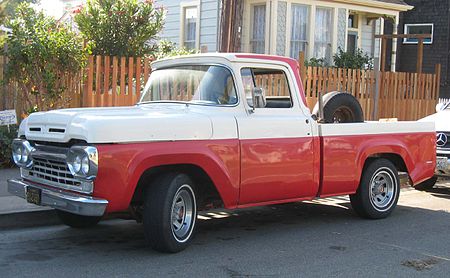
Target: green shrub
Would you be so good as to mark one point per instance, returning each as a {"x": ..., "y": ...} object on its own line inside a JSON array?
[
  {"x": 347, "y": 60},
  {"x": 120, "y": 27},
  {"x": 42, "y": 54},
  {"x": 168, "y": 49},
  {"x": 6, "y": 137},
  {"x": 316, "y": 62}
]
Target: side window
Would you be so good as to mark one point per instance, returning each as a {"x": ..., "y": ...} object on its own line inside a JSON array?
[{"x": 274, "y": 85}]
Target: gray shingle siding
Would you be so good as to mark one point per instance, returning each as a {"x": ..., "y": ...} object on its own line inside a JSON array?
[
  {"x": 208, "y": 22},
  {"x": 436, "y": 12}
]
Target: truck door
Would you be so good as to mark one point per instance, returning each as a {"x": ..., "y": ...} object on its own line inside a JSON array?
[{"x": 276, "y": 142}]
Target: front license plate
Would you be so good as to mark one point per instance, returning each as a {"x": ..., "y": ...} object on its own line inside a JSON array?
[
  {"x": 441, "y": 163},
  {"x": 33, "y": 195}
]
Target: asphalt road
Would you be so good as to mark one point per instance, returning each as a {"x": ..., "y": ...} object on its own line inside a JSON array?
[{"x": 314, "y": 239}]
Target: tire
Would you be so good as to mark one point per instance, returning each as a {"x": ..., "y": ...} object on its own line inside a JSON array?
[
  {"x": 378, "y": 191},
  {"x": 170, "y": 212},
  {"x": 426, "y": 185},
  {"x": 340, "y": 107},
  {"x": 77, "y": 221}
]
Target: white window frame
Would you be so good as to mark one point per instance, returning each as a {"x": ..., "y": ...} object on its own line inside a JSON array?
[
  {"x": 405, "y": 31},
  {"x": 183, "y": 7}
]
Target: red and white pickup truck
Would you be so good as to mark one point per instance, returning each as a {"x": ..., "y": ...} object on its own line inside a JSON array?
[{"x": 204, "y": 134}]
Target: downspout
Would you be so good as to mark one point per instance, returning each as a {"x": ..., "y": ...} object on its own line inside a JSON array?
[{"x": 448, "y": 49}]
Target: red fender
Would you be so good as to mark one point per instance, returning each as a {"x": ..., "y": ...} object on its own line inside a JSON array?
[{"x": 122, "y": 165}]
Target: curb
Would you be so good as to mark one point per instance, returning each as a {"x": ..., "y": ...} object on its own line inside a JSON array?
[{"x": 26, "y": 219}]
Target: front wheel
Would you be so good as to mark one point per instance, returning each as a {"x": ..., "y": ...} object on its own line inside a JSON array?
[
  {"x": 378, "y": 191},
  {"x": 170, "y": 212}
]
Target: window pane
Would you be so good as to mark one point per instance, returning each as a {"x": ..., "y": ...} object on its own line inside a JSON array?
[
  {"x": 419, "y": 29},
  {"x": 299, "y": 27},
  {"x": 259, "y": 29},
  {"x": 190, "y": 27},
  {"x": 323, "y": 34},
  {"x": 211, "y": 85},
  {"x": 274, "y": 84},
  {"x": 351, "y": 42}
]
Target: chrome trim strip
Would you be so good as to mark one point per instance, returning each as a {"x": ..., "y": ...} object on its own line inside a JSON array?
[{"x": 70, "y": 202}]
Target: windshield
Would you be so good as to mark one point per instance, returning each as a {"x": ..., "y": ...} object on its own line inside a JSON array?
[{"x": 212, "y": 85}]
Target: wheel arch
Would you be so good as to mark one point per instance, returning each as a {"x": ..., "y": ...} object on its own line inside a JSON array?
[{"x": 204, "y": 185}]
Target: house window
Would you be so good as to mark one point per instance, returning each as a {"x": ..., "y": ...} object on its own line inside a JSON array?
[
  {"x": 323, "y": 34},
  {"x": 426, "y": 28},
  {"x": 352, "y": 21},
  {"x": 352, "y": 42},
  {"x": 299, "y": 30},
  {"x": 190, "y": 27},
  {"x": 258, "y": 34}
]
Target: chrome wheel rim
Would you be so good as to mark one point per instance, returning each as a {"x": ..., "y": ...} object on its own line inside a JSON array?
[
  {"x": 183, "y": 213},
  {"x": 382, "y": 191}
]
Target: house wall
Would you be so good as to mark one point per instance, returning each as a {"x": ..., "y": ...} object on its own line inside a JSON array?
[
  {"x": 209, "y": 20},
  {"x": 436, "y": 12},
  {"x": 278, "y": 25}
]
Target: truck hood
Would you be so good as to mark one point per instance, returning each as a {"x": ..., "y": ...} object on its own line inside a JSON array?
[
  {"x": 441, "y": 120},
  {"x": 156, "y": 122}
]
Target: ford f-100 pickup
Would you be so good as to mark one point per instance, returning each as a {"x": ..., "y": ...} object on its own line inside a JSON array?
[{"x": 212, "y": 130}]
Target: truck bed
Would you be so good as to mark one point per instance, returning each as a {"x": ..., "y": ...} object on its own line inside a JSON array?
[{"x": 345, "y": 147}]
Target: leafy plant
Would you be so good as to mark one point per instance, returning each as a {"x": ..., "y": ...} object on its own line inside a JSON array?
[
  {"x": 42, "y": 56},
  {"x": 168, "y": 49},
  {"x": 316, "y": 62},
  {"x": 7, "y": 134},
  {"x": 120, "y": 27},
  {"x": 347, "y": 60}
]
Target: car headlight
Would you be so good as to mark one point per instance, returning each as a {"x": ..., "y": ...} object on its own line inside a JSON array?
[
  {"x": 21, "y": 153},
  {"x": 83, "y": 162}
]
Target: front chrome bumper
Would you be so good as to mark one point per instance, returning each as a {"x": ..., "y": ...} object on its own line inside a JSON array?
[{"x": 58, "y": 199}]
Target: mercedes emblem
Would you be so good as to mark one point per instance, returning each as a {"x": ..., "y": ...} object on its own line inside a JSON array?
[{"x": 441, "y": 139}]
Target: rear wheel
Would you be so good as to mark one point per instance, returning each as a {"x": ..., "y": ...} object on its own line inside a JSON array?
[
  {"x": 77, "y": 221},
  {"x": 170, "y": 212},
  {"x": 378, "y": 191}
]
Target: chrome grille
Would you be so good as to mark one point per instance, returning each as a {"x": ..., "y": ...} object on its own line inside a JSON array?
[{"x": 53, "y": 171}]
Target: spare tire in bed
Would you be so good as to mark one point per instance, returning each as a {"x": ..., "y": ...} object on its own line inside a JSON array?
[{"x": 340, "y": 107}]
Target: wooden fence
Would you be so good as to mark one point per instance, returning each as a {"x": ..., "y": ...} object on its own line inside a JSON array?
[
  {"x": 114, "y": 81},
  {"x": 118, "y": 81}
]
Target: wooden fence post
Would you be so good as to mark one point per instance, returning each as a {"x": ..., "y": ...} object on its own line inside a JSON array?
[
  {"x": 301, "y": 63},
  {"x": 376, "y": 95}
]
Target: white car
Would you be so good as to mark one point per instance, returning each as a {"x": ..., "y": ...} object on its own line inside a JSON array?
[{"x": 441, "y": 119}]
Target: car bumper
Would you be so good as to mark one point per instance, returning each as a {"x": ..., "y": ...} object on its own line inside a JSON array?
[
  {"x": 70, "y": 202},
  {"x": 442, "y": 166}
]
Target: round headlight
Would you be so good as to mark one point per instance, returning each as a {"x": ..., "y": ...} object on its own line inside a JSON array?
[
  {"x": 21, "y": 153},
  {"x": 17, "y": 154},
  {"x": 85, "y": 165},
  {"x": 76, "y": 164},
  {"x": 25, "y": 155},
  {"x": 83, "y": 162}
]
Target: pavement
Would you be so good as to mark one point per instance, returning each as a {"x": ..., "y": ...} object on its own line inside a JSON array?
[
  {"x": 16, "y": 212},
  {"x": 320, "y": 238}
]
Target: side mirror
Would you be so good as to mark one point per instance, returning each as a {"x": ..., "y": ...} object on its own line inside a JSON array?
[
  {"x": 440, "y": 106},
  {"x": 258, "y": 98}
]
